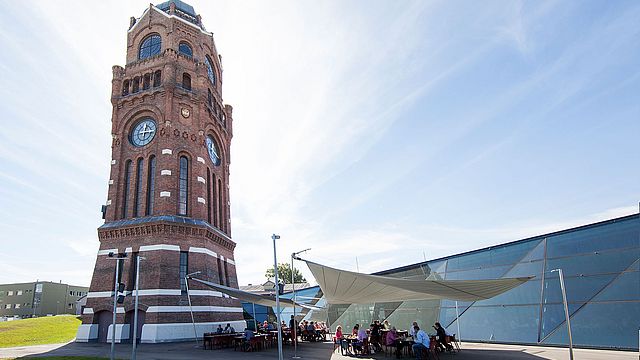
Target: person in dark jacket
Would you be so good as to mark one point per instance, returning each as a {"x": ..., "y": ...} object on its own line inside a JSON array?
[{"x": 442, "y": 338}]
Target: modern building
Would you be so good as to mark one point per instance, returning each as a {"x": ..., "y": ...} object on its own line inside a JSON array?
[
  {"x": 269, "y": 287},
  {"x": 307, "y": 295},
  {"x": 600, "y": 262},
  {"x": 168, "y": 194},
  {"x": 39, "y": 298}
]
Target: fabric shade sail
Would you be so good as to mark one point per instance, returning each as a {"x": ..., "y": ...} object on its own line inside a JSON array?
[
  {"x": 347, "y": 287},
  {"x": 266, "y": 300}
]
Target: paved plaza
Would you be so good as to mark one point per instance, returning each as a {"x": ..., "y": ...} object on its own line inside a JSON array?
[{"x": 309, "y": 351}]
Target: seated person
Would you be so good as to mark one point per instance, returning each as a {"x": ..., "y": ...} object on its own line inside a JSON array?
[
  {"x": 229, "y": 329},
  {"x": 339, "y": 334},
  {"x": 421, "y": 343},
  {"x": 363, "y": 340},
  {"x": 311, "y": 331},
  {"x": 270, "y": 327},
  {"x": 412, "y": 331},
  {"x": 442, "y": 338},
  {"x": 248, "y": 335},
  {"x": 265, "y": 325},
  {"x": 386, "y": 325},
  {"x": 393, "y": 340},
  {"x": 219, "y": 330},
  {"x": 376, "y": 334}
]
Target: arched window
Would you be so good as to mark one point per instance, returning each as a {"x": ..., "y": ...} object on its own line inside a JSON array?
[
  {"x": 139, "y": 196},
  {"x": 125, "y": 87},
  {"x": 183, "y": 186},
  {"x": 186, "y": 81},
  {"x": 185, "y": 49},
  {"x": 209, "y": 97},
  {"x": 151, "y": 179},
  {"x": 221, "y": 225},
  {"x": 209, "y": 195},
  {"x": 151, "y": 45},
  {"x": 213, "y": 200},
  {"x": 157, "y": 78},
  {"x": 125, "y": 195},
  {"x": 210, "y": 73},
  {"x": 136, "y": 85},
  {"x": 220, "y": 275},
  {"x": 146, "y": 82}
]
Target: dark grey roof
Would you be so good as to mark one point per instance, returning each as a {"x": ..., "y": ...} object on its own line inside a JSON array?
[{"x": 185, "y": 8}]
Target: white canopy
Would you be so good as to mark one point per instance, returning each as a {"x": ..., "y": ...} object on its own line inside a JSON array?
[
  {"x": 266, "y": 300},
  {"x": 347, "y": 287}
]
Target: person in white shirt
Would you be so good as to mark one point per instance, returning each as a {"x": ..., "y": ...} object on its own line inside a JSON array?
[
  {"x": 412, "y": 331},
  {"x": 421, "y": 343},
  {"x": 229, "y": 329}
]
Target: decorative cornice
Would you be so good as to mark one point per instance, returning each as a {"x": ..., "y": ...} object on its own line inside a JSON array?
[{"x": 163, "y": 227}]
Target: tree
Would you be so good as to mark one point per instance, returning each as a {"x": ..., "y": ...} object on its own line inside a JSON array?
[{"x": 284, "y": 274}]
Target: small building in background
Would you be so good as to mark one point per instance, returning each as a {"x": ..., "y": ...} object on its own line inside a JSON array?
[{"x": 41, "y": 298}]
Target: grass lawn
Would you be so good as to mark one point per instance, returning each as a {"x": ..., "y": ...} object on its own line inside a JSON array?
[
  {"x": 68, "y": 358},
  {"x": 37, "y": 331}
]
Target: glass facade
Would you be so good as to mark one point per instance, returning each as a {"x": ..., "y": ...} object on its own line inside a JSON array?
[
  {"x": 601, "y": 268},
  {"x": 309, "y": 296}
]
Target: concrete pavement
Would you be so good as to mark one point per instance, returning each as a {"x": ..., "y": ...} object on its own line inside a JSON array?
[{"x": 308, "y": 351}]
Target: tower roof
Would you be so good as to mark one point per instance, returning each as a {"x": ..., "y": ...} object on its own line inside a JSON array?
[{"x": 184, "y": 7}]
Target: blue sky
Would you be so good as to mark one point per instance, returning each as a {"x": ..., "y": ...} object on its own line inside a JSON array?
[{"x": 383, "y": 130}]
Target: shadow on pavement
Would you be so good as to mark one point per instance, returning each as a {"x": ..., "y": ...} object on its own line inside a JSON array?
[{"x": 185, "y": 350}]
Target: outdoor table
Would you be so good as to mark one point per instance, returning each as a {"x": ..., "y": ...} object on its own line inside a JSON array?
[{"x": 217, "y": 340}]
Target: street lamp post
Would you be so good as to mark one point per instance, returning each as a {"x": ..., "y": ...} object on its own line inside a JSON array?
[
  {"x": 135, "y": 309},
  {"x": 117, "y": 258},
  {"x": 275, "y": 270},
  {"x": 294, "y": 331},
  {"x": 566, "y": 310}
]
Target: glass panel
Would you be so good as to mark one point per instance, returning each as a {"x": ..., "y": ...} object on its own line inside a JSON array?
[
  {"x": 499, "y": 323},
  {"x": 579, "y": 289},
  {"x": 525, "y": 269},
  {"x": 425, "y": 312},
  {"x": 502, "y": 255},
  {"x": 437, "y": 270},
  {"x": 625, "y": 287},
  {"x": 553, "y": 315},
  {"x": 356, "y": 314},
  {"x": 479, "y": 274},
  {"x": 527, "y": 293},
  {"x": 603, "y": 325},
  {"x": 597, "y": 263},
  {"x": 617, "y": 235},
  {"x": 536, "y": 254}
]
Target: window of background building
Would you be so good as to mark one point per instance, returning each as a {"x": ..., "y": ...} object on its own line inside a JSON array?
[
  {"x": 7, "y": 306},
  {"x": 10, "y": 293},
  {"x": 19, "y": 292},
  {"x": 17, "y": 306}
]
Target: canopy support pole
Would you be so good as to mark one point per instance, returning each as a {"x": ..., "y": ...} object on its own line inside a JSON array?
[
  {"x": 255, "y": 324},
  {"x": 458, "y": 323}
]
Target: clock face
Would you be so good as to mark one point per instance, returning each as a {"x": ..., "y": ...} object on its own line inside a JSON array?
[
  {"x": 212, "y": 148},
  {"x": 185, "y": 112},
  {"x": 143, "y": 132}
]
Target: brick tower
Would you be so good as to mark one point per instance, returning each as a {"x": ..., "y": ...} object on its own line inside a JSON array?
[{"x": 168, "y": 197}]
